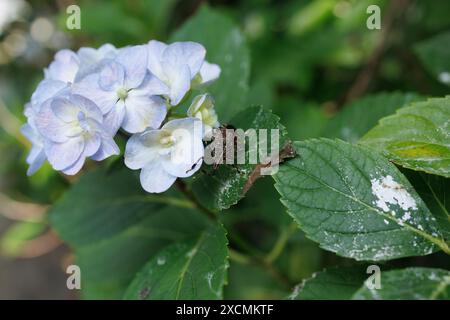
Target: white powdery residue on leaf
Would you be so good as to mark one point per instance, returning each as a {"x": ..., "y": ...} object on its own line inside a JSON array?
[
  {"x": 161, "y": 261},
  {"x": 389, "y": 192},
  {"x": 444, "y": 77}
]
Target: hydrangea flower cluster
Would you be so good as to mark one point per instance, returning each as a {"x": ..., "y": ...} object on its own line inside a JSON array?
[{"x": 87, "y": 96}]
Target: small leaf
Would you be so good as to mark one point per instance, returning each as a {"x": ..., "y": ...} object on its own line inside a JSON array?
[
  {"x": 223, "y": 187},
  {"x": 416, "y": 137},
  {"x": 409, "y": 284},
  {"x": 339, "y": 283},
  {"x": 435, "y": 56},
  {"x": 192, "y": 270},
  {"x": 356, "y": 203},
  {"x": 226, "y": 47},
  {"x": 363, "y": 114}
]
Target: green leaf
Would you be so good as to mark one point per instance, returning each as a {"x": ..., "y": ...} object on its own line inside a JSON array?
[
  {"x": 434, "y": 191},
  {"x": 226, "y": 47},
  {"x": 356, "y": 203},
  {"x": 409, "y": 284},
  {"x": 360, "y": 116},
  {"x": 191, "y": 270},
  {"x": 416, "y": 137},
  {"x": 114, "y": 227},
  {"x": 223, "y": 187},
  {"x": 435, "y": 56},
  {"x": 338, "y": 283}
]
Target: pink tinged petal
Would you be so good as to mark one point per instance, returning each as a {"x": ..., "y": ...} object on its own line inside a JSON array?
[
  {"x": 89, "y": 88},
  {"x": 142, "y": 148},
  {"x": 111, "y": 76},
  {"x": 190, "y": 53},
  {"x": 209, "y": 72},
  {"x": 114, "y": 119},
  {"x": 143, "y": 112},
  {"x": 134, "y": 60},
  {"x": 155, "y": 179},
  {"x": 64, "y": 67},
  {"x": 107, "y": 148},
  {"x": 49, "y": 125},
  {"x": 155, "y": 52},
  {"x": 76, "y": 167},
  {"x": 45, "y": 90},
  {"x": 179, "y": 81},
  {"x": 63, "y": 155}
]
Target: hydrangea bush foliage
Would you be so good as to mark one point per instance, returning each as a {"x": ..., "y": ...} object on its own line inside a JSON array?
[{"x": 157, "y": 226}]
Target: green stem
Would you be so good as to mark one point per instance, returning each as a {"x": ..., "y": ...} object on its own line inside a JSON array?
[
  {"x": 281, "y": 242},
  {"x": 188, "y": 193},
  {"x": 241, "y": 258}
]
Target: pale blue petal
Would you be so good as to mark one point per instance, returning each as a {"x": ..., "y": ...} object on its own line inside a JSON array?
[
  {"x": 92, "y": 60},
  {"x": 113, "y": 120},
  {"x": 209, "y": 72},
  {"x": 143, "y": 112},
  {"x": 65, "y": 110},
  {"x": 187, "y": 154},
  {"x": 92, "y": 144},
  {"x": 134, "y": 60},
  {"x": 141, "y": 149},
  {"x": 155, "y": 179},
  {"x": 152, "y": 86},
  {"x": 185, "y": 159},
  {"x": 155, "y": 53},
  {"x": 185, "y": 53},
  {"x": 88, "y": 107},
  {"x": 50, "y": 126},
  {"x": 63, "y": 155},
  {"x": 45, "y": 90},
  {"x": 179, "y": 81},
  {"x": 111, "y": 76},
  {"x": 89, "y": 88},
  {"x": 64, "y": 67},
  {"x": 107, "y": 148},
  {"x": 76, "y": 167},
  {"x": 37, "y": 161}
]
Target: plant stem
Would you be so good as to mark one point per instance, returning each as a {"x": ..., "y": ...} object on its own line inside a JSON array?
[
  {"x": 247, "y": 260},
  {"x": 188, "y": 193},
  {"x": 280, "y": 243}
]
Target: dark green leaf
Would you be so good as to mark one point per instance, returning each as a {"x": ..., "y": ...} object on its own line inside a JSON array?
[
  {"x": 356, "y": 203},
  {"x": 339, "y": 283},
  {"x": 363, "y": 114},
  {"x": 114, "y": 227},
  {"x": 191, "y": 270},
  {"x": 416, "y": 137},
  {"x": 409, "y": 284},
  {"x": 435, "y": 55}
]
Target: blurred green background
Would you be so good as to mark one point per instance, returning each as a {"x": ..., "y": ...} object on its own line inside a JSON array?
[{"x": 306, "y": 57}]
